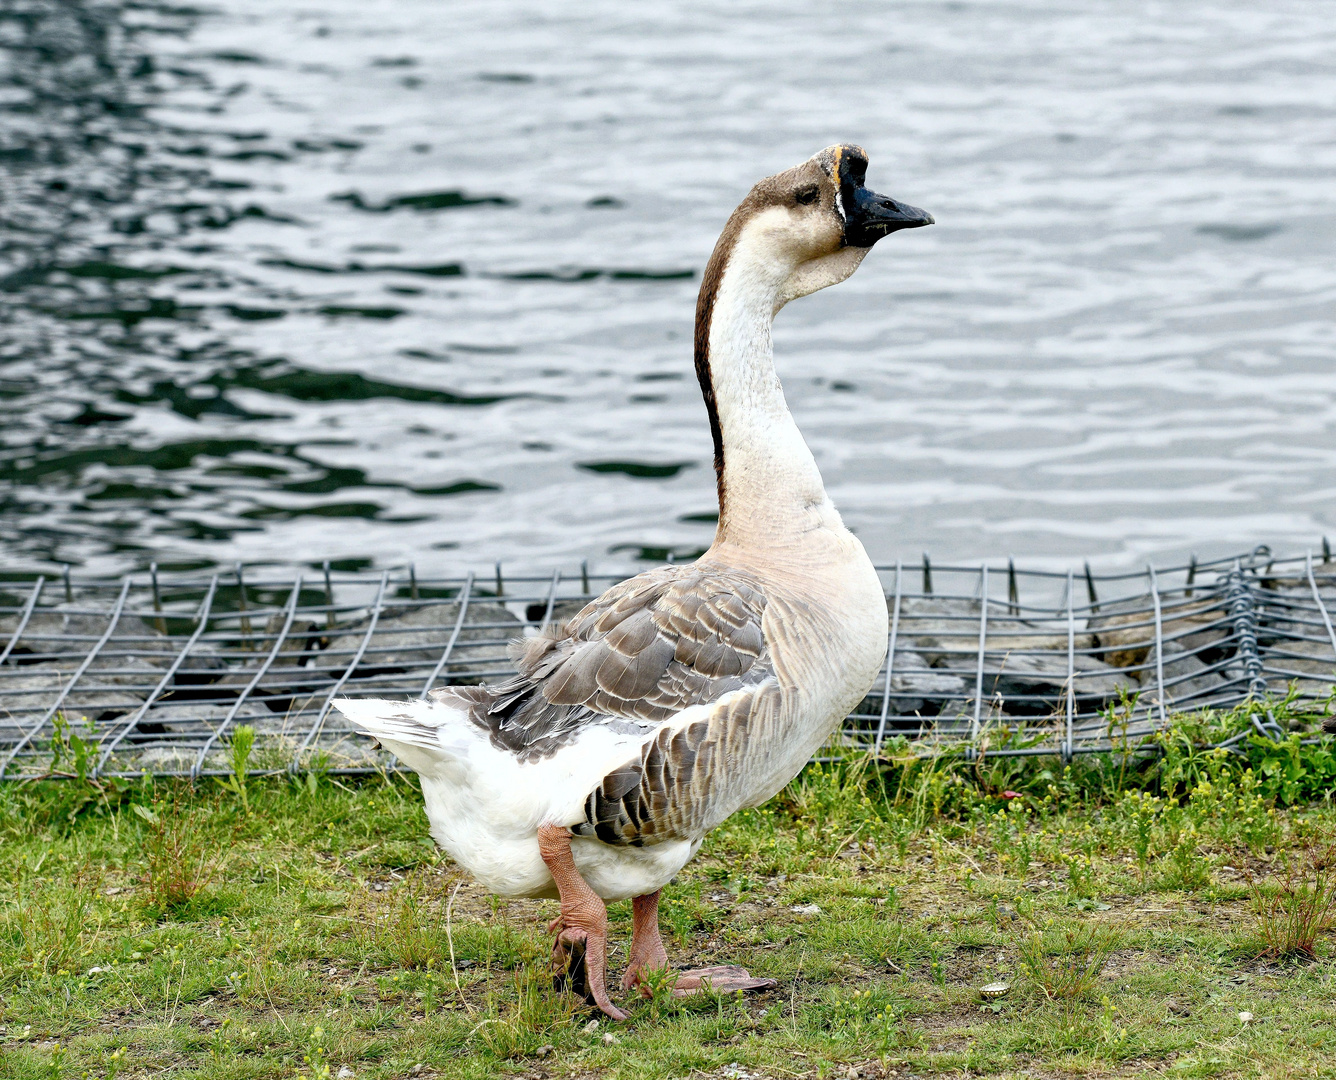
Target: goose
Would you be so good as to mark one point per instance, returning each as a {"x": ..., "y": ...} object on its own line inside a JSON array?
[{"x": 690, "y": 691}]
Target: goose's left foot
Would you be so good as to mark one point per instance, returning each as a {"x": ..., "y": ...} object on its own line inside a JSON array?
[
  {"x": 648, "y": 954},
  {"x": 723, "y": 979},
  {"x": 580, "y": 952}
]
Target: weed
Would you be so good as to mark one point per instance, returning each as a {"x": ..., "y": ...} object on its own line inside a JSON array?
[
  {"x": 56, "y": 1066},
  {"x": 415, "y": 940},
  {"x": 113, "y": 1063},
  {"x": 66, "y": 743},
  {"x": 1232, "y": 802},
  {"x": 937, "y": 962},
  {"x": 48, "y": 930},
  {"x": 238, "y": 757},
  {"x": 1081, "y": 874},
  {"x": 1292, "y": 772},
  {"x": 1144, "y": 810},
  {"x": 1110, "y": 1033},
  {"x": 528, "y": 1015},
  {"x": 179, "y": 860},
  {"x": 846, "y": 1016},
  {"x": 1185, "y": 868},
  {"x": 1291, "y": 917},
  {"x": 658, "y": 983},
  {"x": 1065, "y": 962},
  {"x": 317, "y": 1068},
  {"x": 1013, "y": 835}
]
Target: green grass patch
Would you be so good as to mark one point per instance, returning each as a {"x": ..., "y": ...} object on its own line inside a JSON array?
[{"x": 1166, "y": 914}]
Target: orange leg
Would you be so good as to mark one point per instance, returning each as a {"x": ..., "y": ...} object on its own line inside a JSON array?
[
  {"x": 583, "y": 922},
  {"x": 648, "y": 953}
]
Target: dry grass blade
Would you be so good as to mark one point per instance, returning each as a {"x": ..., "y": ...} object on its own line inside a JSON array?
[{"x": 450, "y": 941}]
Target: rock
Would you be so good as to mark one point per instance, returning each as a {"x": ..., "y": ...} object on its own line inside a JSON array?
[
  {"x": 281, "y": 689},
  {"x": 415, "y": 638},
  {"x": 179, "y": 718},
  {"x": 1311, "y": 665},
  {"x": 168, "y": 738},
  {"x": 29, "y": 691},
  {"x": 956, "y": 720},
  {"x": 351, "y": 752},
  {"x": 916, "y": 688},
  {"x": 290, "y": 677},
  {"x": 1017, "y": 676},
  {"x": 1125, "y": 629},
  {"x": 166, "y": 759},
  {"x": 1015, "y": 685},
  {"x": 135, "y": 673},
  {"x": 945, "y": 631},
  {"x": 299, "y": 646},
  {"x": 1188, "y": 681},
  {"x": 125, "y": 670},
  {"x": 1287, "y": 609},
  {"x": 70, "y": 630},
  {"x": 1323, "y": 574}
]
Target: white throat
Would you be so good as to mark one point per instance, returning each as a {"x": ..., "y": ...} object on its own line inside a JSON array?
[{"x": 771, "y": 489}]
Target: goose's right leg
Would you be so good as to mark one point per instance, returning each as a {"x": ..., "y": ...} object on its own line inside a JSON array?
[
  {"x": 648, "y": 953},
  {"x": 583, "y": 922}
]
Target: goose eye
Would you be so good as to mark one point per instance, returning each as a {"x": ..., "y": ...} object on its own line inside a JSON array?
[{"x": 807, "y": 195}]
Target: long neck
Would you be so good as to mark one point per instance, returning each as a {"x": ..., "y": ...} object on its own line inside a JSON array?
[{"x": 769, "y": 486}]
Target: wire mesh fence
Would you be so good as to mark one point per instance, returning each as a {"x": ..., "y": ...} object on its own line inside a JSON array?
[{"x": 153, "y": 672}]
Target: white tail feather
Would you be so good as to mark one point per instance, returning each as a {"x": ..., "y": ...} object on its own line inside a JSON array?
[{"x": 408, "y": 723}]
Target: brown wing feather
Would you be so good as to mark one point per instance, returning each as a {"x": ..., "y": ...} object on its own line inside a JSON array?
[
  {"x": 673, "y": 791},
  {"x": 640, "y": 653}
]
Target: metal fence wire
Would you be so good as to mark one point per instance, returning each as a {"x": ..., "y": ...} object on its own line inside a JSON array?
[{"x": 151, "y": 673}]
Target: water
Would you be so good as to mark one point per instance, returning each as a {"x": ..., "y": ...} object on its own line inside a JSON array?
[{"x": 414, "y": 282}]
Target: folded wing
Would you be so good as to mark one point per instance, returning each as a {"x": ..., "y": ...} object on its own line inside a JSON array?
[{"x": 636, "y": 656}]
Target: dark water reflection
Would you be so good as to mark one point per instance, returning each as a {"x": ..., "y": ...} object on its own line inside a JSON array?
[{"x": 398, "y": 282}]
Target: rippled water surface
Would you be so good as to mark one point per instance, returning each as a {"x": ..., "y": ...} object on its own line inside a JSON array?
[{"x": 412, "y": 281}]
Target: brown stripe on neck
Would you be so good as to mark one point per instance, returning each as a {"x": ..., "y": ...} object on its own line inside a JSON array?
[
  {"x": 709, "y": 293},
  {"x": 777, "y": 190}
]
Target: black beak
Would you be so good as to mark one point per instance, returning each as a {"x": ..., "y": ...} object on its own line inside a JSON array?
[{"x": 869, "y": 216}]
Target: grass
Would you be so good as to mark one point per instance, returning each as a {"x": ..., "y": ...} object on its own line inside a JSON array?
[
  {"x": 1293, "y": 915},
  {"x": 1168, "y": 915},
  {"x": 1065, "y": 961}
]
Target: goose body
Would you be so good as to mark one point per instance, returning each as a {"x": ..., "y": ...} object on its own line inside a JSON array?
[
  {"x": 641, "y": 784},
  {"x": 687, "y": 692}
]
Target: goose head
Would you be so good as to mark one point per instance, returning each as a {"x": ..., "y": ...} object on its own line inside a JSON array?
[{"x": 809, "y": 227}]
